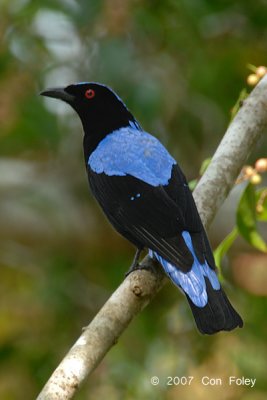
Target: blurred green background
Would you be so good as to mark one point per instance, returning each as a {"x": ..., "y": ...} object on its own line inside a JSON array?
[{"x": 179, "y": 66}]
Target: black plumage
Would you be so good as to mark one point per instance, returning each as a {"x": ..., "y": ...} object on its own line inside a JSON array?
[{"x": 145, "y": 196}]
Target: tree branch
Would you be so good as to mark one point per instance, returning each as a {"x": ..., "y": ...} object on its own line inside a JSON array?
[{"x": 139, "y": 287}]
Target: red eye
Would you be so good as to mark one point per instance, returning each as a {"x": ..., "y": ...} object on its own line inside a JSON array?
[{"x": 89, "y": 94}]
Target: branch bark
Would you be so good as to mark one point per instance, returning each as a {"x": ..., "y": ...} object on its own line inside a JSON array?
[{"x": 139, "y": 287}]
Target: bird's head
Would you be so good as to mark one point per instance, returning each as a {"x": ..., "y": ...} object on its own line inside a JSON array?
[{"x": 99, "y": 108}]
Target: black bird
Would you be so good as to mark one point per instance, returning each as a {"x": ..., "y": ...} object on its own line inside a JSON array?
[{"x": 145, "y": 196}]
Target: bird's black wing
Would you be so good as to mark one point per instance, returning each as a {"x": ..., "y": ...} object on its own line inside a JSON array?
[{"x": 153, "y": 217}]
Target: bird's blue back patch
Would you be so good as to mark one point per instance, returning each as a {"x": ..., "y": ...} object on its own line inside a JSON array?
[
  {"x": 134, "y": 152},
  {"x": 192, "y": 282}
]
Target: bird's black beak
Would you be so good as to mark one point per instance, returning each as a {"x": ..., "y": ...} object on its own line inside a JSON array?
[{"x": 58, "y": 93}]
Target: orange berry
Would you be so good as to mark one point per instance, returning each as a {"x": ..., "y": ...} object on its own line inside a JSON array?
[
  {"x": 249, "y": 171},
  {"x": 261, "y": 165},
  {"x": 252, "y": 79},
  {"x": 255, "y": 179},
  {"x": 261, "y": 71}
]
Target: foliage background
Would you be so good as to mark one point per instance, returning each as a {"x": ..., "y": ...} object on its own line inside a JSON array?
[{"x": 179, "y": 66}]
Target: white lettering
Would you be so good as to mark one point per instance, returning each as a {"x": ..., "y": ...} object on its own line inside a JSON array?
[
  {"x": 207, "y": 381},
  {"x": 243, "y": 381}
]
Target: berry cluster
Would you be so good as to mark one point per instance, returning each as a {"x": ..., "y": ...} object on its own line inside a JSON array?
[
  {"x": 253, "y": 173},
  {"x": 258, "y": 73}
]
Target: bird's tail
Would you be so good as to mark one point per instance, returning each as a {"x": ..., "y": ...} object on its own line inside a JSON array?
[
  {"x": 211, "y": 308},
  {"x": 217, "y": 315}
]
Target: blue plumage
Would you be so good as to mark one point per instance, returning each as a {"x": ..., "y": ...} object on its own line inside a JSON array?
[
  {"x": 192, "y": 282},
  {"x": 137, "y": 153},
  {"x": 134, "y": 152}
]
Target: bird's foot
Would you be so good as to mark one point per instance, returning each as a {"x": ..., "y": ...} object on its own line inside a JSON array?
[
  {"x": 135, "y": 264},
  {"x": 148, "y": 265}
]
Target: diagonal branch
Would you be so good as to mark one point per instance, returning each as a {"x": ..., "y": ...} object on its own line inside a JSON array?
[{"x": 139, "y": 287}]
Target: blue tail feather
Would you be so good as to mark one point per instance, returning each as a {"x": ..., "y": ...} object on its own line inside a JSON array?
[{"x": 193, "y": 282}]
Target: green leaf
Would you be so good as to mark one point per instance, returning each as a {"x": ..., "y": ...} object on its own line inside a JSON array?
[
  {"x": 242, "y": 96},
  {"x": 261, "y": 199},
  {"x": 204, "y": 166},
  {"x": 247, "y": 219},
  {"x": 223, "y": 247},
  {"x": 252, "y": 68},
  {"x": 192, "y": 184}
]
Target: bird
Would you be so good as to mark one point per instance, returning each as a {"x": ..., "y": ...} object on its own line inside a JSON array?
[{"x": 145, "y": 196}]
